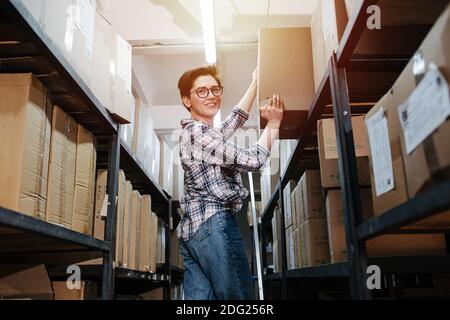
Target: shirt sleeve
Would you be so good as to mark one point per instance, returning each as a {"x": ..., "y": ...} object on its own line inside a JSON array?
[
  {"x": 234, "y": 121},
  {"x": 209, "y": 146}
]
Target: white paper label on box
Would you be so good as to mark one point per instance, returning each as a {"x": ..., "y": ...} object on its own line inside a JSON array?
[
  {"x": 124, "y": 61},
  {"x": 380, "y": 149},
  {"x": 85, "y": 19},
  {"x": 104, "y": 209},
  {"x": 425, "y": 110}
]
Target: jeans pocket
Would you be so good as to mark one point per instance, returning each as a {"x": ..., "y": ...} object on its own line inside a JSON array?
[{"x": 203, "y": 231}]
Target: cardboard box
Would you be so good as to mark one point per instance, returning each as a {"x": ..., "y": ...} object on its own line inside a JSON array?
[
  {"x": 312, "y": 196},
  {"x": 156, "y": 294},
  {"x": 250, "y": 213},
  {"x": 385, "y": 158},
  {"x": 335, "y": 221},
  {"x": 297, "y": 248},
  {"x": 83, "y": 210},
  {"x": 385, "y": 245},
  {"x": 101, "y": 205},
  {"x": 127, "y": 231},
  {"x": 104, "y": 61},
  {"x": 70, "y": 25},
  {"x": 328, "y": 153},
  {"x": 161, "y": 243},
  {"x": 123, "y": 100},
  {"x": 144, "y": 239},
  {"x": 134, "y": 232},
  {"x": 328, "y": 23},
  {"x": 285, "y": 67},
  {"x": 87, "y": 291},
  {"x": 277, "y": 256},
  {"x": 153, "y": 241},
  {"x": 62, "y": 169},
  {"x": 144, "y": 140},
  {"x": 58, "y": 20},
  {"x": 291, "y": 248},
  {"x": 299, "y": 216},
  {"x": 293, "y": 208},
  {"x": 424, "y": 134},
  {"x": 123, "y": 192},
  {"x": 287, "y": 203},
  {"x": 24, "y": 282},
  {"x": 166, "y": 167},
  {"x": 314, "y": 243},
  {"x": 25, "y": 128},
  {"x": 287, "y": 147},
  {"x": 34, "y": 7},
  {"x": 276, "y": 224}
]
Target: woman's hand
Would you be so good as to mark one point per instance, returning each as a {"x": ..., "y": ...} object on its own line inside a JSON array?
[{"x": 273, "y": 110}]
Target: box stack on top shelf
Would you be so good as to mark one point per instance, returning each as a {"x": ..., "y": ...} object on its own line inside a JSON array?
[{"x": 400, "y": 154}]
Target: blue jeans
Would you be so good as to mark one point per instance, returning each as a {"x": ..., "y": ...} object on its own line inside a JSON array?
[{"x": 215, "y": 262}]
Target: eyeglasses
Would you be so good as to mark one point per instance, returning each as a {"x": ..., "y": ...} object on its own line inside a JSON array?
[{"x": 203, "y": 92}]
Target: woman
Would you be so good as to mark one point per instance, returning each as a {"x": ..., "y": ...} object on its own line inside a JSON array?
[{"x": 216, "y": 265}]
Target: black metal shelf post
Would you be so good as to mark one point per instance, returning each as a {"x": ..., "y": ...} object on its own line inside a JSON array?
[
  {"x": 351, "y": 202},
  {"x": 111, "y": 222},
  {"x": 168, "y": 256}
]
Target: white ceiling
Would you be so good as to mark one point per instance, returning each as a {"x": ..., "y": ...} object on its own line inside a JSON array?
[{"x": 167, "y": 40}]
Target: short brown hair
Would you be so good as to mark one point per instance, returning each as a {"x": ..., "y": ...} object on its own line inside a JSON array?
[{"x": 188, "y": 78}]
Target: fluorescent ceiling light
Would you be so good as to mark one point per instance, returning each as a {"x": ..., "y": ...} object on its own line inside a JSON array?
[{"x": 209, "y": 32}]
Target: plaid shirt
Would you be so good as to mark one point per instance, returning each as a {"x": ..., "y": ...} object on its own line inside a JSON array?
[{"x": 212, "y": 167}]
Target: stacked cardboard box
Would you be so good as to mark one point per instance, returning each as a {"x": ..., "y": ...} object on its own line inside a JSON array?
[
  {"x": 62, "y": 169},
  {"x": 176, "y": 259},
  {"x": 25, "y": 282},
  {"x": 87, "y": 291},
  {"x": 285, "y": 66},
  {"x": 146, "y": 143},
  {"x": 328, "y": 23},
  {"x": 83, "y": 218},
  {"x": 386, "y": 245},
  {"x": 166, "y": 167},
  {"x": 101, "y": 204},
  {"x": 153, "y": 241},
  {"x": 402, "y": 146},
  {"x": 123, "y": 192},
  {"x": 127, "y": 233},
  {"x": 97, "y": 53},
  {"x": 288, "y": 210},
  {"x": 286, "y": 149},
  {"x": 134, "y": 252},
  {"x": 276, "y": 246},
  {"x": 328, "y": 152},
  {"x": 424, "y": 125},
  {"x": 250, "y": 212},
  {"x": 309, "y": 233},
  {"x": 25, "y": 128},
  {"x": 161, "y": 243}
]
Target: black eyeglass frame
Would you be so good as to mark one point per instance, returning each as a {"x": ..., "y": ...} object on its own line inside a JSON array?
[{"x": 207, "y": 92}]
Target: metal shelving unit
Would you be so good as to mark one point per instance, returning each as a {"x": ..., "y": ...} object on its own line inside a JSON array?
[
  {"x": 24, "y": 47},
  {"x": 340, "y": 85}
]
